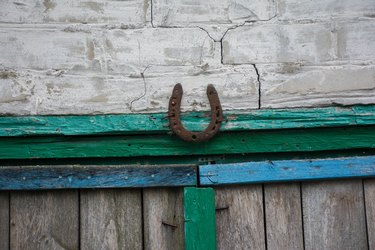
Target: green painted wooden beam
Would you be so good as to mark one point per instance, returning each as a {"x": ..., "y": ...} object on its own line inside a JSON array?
[
  {"x": 200, "y": 224},
  {"x": 257, "y": 141},
  {"x": 157, "y": 123}
]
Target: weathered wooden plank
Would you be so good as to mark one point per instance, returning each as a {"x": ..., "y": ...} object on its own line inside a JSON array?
[
  {"x": 239, "y": 218},
  {"x": 199, "y": 213},
  {"x": 61, "y": 92},
  {"x": 283, "y": 211},
  {"x": 287, "y": 170},
  {"x": 296, "y": 140},
  {"x": 82, "y": 176},
  {"x": 163, "y": 217},
  {"x": 369, "y": 188},
  {"x": 334, "y": 215},
  {"x": 195, "y": 121},
  {"x": 111, "y": 219},
  {"x": 4, "y": 220},
  {"x": 130, "y": 14},
  {"x": 44, "y": 220},
  {"x": 297, "y": 85}
]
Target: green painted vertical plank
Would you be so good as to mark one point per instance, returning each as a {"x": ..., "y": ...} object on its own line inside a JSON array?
[{"x": 200, "y": 226}]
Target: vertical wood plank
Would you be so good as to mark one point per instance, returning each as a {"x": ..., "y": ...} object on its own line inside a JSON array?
[
  {"x": 163, "y": 218},
  {"x": 44, "y": 220},
  {"x": 199, "y": 211},
  {"x": 283, "y": 216},
  {"x": 369, "y": 187},
  {"x": 111, "y": 219},
  {"x": 4, "y": 220},
  {"x": 240, "y": 217},
  {"x": 334, "y": 215}
]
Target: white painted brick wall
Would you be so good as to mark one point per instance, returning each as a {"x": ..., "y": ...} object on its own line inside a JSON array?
[
  {"x": 129, "y": 13},
  {"x": 107, "y": 56}
]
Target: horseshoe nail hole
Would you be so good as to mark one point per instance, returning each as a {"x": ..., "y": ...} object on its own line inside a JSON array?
[
  {"x": 213, "y": 128},
  {"x": 217, "y": 108},
  {"x": 217, "y": 114},
  {"x": 129, "y": 145},
  {"x": 193, "y": 137}
]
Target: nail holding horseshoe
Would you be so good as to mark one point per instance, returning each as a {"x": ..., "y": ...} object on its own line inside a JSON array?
[{"x": 174, "y": 116}]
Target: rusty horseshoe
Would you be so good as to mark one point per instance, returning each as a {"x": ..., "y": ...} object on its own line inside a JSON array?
[{"x": 174, "y": 116}]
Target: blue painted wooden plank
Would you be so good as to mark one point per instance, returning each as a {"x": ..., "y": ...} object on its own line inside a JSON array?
[
  {"x": 287, "y": 170},
  {"x": 77, "y": 176}
]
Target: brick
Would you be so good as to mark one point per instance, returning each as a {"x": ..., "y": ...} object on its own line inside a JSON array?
[
  {"x": 311, "y": 43},
  {"x": 104, "y": 51},
  {"x": 32, "y": 92},
  {"x": 192, "y": 12},
  {"x": 130, "y": 13},
  {"x": 294, "y": 85},
  {"x": 324, "y": 9}
]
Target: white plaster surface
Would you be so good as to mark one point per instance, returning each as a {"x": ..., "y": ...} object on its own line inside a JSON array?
[
  {"x": 107, "y": 56},
  {"x": 129, "y": 13}
]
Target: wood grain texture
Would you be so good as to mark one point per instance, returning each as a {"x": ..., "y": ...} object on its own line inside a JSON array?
[
  {"x": 287, "y": 170},
  {"x": 44, "y": 220},
  {"x": 260, "y": 141},
  {"x": 369, "y": 188},
  {"x": 199, "y": 214},
  {"x": 93, "y": 176},
  {"x": 111, "y": 219},
  {"x": 194, "y": 121},
  {"x": 4, "y": 220},
  {"x": 163, "y": 217},
  {"x": 334, "y": 215},
  {"x": 283, "y": 216},
  {"x": 239, "y": 218}
]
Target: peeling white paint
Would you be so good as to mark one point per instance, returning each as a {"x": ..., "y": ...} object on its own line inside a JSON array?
[
  {"x": 308, "y": 43},
  {"x": 293, "y": 85},
  {"x": 130, "y": 13},
  {"x": 107, "y": 56}
]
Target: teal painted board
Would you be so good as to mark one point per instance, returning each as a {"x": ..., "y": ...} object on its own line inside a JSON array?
[
  {"x": 78, "y": 176},
  {"x": 200, "y": 221},
  {"x": 195, "y": 121},
  {"x": 287, "y": 170},
  {"x": 257, "y": 141}
]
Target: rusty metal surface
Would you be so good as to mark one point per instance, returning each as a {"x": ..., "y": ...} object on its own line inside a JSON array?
[{"x": 174, "y": 116}]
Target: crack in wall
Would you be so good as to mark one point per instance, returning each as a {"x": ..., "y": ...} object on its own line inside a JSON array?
[
  {"x": 145, "y": 89},
  {"x": 152, "y": 14},
  {"x": 259, "y": 86}
]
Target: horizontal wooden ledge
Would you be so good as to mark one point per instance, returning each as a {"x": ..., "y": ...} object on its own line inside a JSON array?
[
  {"x": 78, "y": 176},
  {"x": 196, "y": 121},
  {"x": 241, "y": 142},
  {"x": 286, "y": 170}
]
